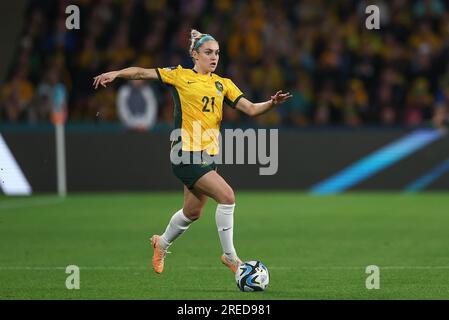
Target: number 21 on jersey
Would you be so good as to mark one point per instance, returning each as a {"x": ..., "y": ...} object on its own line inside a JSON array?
[{"x": 205, "y": 101}]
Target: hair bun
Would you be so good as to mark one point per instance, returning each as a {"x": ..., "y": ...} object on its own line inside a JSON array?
[{"x": 195, "y": 35}]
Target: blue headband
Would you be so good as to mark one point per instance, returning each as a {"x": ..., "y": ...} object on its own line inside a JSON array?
[{"x": 207, "y": 37}]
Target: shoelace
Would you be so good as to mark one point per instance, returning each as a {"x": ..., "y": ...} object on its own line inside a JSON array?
[
  {"x": 234, "y": 261},
  {"x": 163, "y": 253}
]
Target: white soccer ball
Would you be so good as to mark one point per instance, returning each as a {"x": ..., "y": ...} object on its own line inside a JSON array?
[{"x": 252, "y": 276}]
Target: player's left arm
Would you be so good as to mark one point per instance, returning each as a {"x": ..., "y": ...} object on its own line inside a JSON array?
[{"x": 255, "y": 109}]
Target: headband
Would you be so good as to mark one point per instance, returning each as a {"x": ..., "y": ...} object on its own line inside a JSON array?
[{"x": 205, "y": 38}]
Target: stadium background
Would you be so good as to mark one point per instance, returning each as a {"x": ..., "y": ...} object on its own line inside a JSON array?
[
  {"x": 372, "y": 86},
  {"x": 369, "y": 112}
]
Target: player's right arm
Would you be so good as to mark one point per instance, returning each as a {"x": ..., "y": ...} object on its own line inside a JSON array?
[{"x": 132, "y": 73}]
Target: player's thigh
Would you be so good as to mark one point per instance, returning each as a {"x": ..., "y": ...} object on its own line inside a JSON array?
[
  {"x": 214, "y": 186},
  {"x": 194, "y": 202}
]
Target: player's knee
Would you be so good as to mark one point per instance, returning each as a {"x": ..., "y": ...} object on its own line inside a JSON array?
[
  {"x": 194, "y": 213},
  {"x": 227, "y": 197}
]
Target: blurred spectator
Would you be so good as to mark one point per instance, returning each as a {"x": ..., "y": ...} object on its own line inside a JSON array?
[
  {"x": 428, "y": 8},
  {"x": 137, "y": 105},
  {"x": 419, "y": 103},
  {"x": 119, "y": 52},
  {"x": 51, "y": 98},
  {"x": 298, "y": 109},
  {"x": 440, "y": 118},
  {"x": 16, "y": 96},
  {"x": 102, "y": 105},
  {"x": 355, "y": 104},
  {"x": 60, "y": 38},
  {"x": 339, "y": 72},
  {"x": 329, "y": 105}
]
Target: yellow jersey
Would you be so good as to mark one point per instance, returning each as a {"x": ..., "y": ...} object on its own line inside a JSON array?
[{"x": 199, "y": 105}]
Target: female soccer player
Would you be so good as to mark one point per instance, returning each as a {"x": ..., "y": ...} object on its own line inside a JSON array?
[{"x": 199, "y": 96}]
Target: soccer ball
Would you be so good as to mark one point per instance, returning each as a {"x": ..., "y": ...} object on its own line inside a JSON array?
[{"x": 252, "y": 276}]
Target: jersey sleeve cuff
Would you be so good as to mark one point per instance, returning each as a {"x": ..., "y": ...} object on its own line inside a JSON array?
[{"x": 233, "y": 104}]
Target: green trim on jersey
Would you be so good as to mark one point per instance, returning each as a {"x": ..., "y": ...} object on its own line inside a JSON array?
[
  {"x": 177, "y": 112},
  {"x": 232, "y": 104},
  {"x": 159, "y": 76}
]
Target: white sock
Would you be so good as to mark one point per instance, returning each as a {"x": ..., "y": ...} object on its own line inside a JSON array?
[
  {"x": 178, "y": 224},
  {"x": 224, "y": 217}
]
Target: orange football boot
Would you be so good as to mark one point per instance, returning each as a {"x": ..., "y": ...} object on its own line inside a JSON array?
[
  {"x": 232, "y": 264},
  {"x": 158, "y": 255}
]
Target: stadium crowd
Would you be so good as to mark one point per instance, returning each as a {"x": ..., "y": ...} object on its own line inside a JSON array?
[{"x": 340, "y": 73}]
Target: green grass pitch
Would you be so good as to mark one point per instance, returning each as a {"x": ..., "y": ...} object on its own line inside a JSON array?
[{"x": 315, "y": 247}]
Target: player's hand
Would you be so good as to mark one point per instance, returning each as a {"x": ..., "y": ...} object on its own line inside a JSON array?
[
  {"x": 104, "y": 79},
  {"x": 280, "y": 97}
]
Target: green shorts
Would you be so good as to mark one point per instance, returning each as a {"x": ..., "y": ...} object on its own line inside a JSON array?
[{"x": 189, "y": 173}]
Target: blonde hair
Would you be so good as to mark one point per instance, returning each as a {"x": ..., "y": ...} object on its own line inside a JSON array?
[{"x": 196, "y": 36}]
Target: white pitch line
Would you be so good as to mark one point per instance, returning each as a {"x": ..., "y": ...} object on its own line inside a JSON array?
[
  {"x": 335, "y": 267},
  {"x": 12, "y": 204},
  {"x": 124, "y": 268}
]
